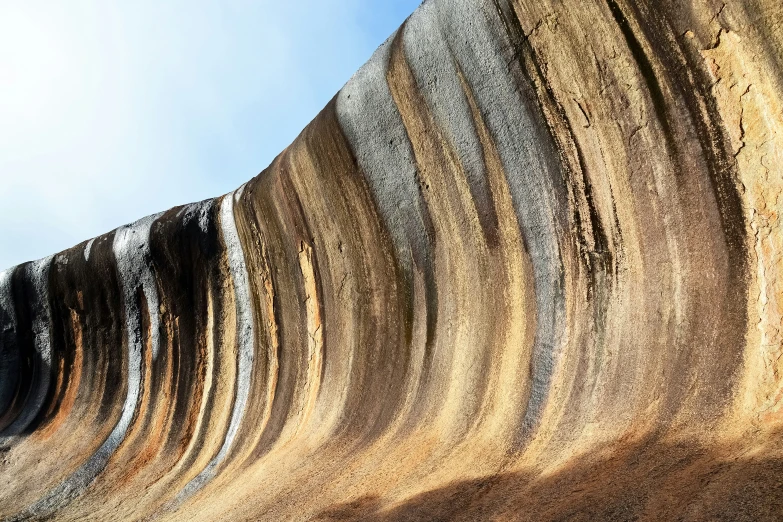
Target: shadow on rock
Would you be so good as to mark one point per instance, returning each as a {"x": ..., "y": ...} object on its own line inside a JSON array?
[{"x": 647, "y": 481}]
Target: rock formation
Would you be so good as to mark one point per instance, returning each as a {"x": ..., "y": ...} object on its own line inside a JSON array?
[{"x": 526, "y": 265}]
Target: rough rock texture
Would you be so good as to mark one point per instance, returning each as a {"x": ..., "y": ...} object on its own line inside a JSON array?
[{"x": 526, "y": 265}]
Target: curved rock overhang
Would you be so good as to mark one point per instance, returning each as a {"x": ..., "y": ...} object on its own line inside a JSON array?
[{"x": 526, "y": 265}]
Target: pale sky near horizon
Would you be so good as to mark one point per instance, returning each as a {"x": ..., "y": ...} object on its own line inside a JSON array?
[{"x": 111, "y": 111}]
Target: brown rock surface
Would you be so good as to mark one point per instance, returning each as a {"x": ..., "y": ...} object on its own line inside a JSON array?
[{"x": 526, "y": 265}]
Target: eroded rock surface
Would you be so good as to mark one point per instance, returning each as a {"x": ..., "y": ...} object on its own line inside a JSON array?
[{"x": 526, "y": 265}]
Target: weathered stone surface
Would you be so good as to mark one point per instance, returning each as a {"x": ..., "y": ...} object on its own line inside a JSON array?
[{"x": 526, "y": 265}]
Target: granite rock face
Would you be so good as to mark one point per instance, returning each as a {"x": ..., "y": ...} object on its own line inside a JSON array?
[{"x": 526, "y": 265}]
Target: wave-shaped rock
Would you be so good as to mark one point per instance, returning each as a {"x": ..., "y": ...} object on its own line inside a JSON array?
[{"x": 526, "y": 265}]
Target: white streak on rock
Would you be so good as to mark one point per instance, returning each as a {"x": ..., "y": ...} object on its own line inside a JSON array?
[
  {"x": 87, "y": 249},
  {"x": 132, "y": 254},
  {"x": 477, "y": 37},
  {"x": 373, "y": 125},
  {"x": 245, "y": 340}
]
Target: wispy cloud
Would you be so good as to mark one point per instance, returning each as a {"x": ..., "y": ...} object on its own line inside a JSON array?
[{"x": 110, "y": 111}]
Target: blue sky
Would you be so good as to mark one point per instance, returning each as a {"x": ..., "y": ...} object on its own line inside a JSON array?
[{"x": 110, "y": 111}]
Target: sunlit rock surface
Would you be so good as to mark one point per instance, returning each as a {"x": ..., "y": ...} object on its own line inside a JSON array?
[{"x": 526, "y": 265}]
